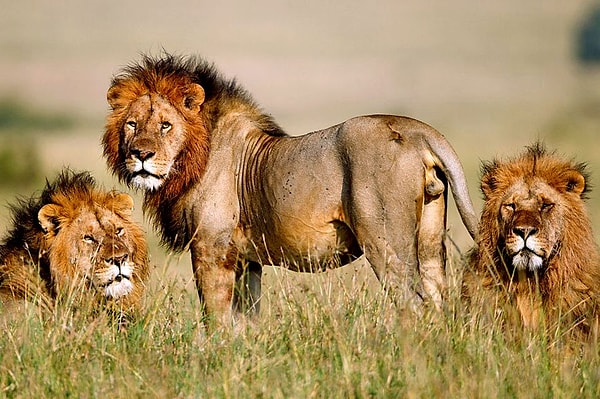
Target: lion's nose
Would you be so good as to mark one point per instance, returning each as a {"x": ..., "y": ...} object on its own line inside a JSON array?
[
  {"x": 142, "y": 155},
  {"x": 525, "y": 231},
  {"x": 117, "y": 260}
]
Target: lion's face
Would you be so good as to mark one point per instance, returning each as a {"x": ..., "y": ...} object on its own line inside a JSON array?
[
  {"x": 95, "y": 246},
  {"x": 148, "y": 131},
  {"x": 526, "y": 213},
  {"x": 531, "y": 219},
  {"x": 535, "y": 250},
  {"x": 153, "y": 134}
]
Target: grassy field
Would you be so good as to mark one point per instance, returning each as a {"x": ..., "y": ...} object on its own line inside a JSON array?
[
  {"x": 492, "y": 76},
  {"x": 337, "y": 339}
]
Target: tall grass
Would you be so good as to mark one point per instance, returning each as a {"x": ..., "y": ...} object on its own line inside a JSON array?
[{"x": 334, "y": 338}]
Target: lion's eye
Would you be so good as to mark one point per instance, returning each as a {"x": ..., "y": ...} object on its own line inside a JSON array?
[
  {"x": 88, "y": 239},
  {"x": 165, "y": 127},
  {"x": 131, "y": 125},
  {"x": 547, "y": 206},
  {"x": 509, "y": 207},
  {"x": 119, "y": 231}
]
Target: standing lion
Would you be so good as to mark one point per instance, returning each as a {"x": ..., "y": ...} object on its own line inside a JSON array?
[
  {"x": 74, "y": 241},
  {"x": 222, "y": 179},
  {"x": 536, "y": 252}
]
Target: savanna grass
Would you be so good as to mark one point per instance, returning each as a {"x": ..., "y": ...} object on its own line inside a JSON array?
[{"x": 328, "y": 335}]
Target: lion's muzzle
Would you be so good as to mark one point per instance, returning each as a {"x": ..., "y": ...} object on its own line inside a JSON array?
[
  {"x": 525, "y": 248},
  {"x": 115, "y": 277},
  {"x": 144, "y": 170}
]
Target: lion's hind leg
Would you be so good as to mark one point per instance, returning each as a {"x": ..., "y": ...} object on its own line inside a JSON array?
[
  {"x": 246, "y": 295},
  {"x": 431, "y": 248},
  {"x": 393, "y": 257}
]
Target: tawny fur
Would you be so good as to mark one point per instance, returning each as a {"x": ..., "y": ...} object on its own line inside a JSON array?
[
  {"x": 223, "y": 179},
  {"x": 564, "y": 292}
]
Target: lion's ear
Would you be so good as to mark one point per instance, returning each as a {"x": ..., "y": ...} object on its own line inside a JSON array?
[
  {"x": 575, "y": 182},
  {"x": 488, "y": 180},
  {"x": 115, "y": 98},
  {"x": 194, "y": 97},
  {"x": 122, "y": 204},
  {"x": 48, "y": 216},
  {"x": 488, "y": 185}
]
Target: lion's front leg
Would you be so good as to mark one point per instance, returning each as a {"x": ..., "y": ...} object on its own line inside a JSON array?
[{"x": 214, "y": 272}]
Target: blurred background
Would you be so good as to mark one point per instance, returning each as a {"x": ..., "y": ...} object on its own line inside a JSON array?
[{"x": 493, "y": 77}]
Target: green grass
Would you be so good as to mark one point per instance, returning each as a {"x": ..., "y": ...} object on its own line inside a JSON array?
[{"x": 334, "y": 340}]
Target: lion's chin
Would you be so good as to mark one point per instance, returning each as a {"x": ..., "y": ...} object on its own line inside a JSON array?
[
  {"x": 118, "y": 289},
  {"x": 147, "y": 182},
  {"x": 527, "y": 261}
]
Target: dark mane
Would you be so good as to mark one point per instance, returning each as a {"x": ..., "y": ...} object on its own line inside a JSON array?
[
  {"x": 25, "y": 228},
  {"x": 171, "y": 76},
  {"x": 158, "y": 74},
  {"x": 25, "y": 234}
]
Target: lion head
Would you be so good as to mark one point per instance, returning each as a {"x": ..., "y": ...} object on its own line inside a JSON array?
[
  {"x": 535, "y": 232},
  {"x": 532, "y": 204},
  {"x": 155, "y": 124},
  {"x": 80, "y": 240}
]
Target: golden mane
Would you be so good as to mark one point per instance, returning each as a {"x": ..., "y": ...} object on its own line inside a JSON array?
[
  {"x": 34, "y": 257},
  {"x": 26, "y": 233},
  {"x": 569, "y": 284}
]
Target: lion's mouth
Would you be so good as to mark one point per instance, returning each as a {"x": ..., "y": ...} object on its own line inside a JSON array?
[
  {"x": 528, "y": 260},
  {"x": 147, "y": 180},
  {"x": 120, "y": 286},
  {"x": 526, "y": 254},
  {"x": 114, "y": 282},
  {"x": 144, "y": 174},
  {"x": 117, "y": 279}
]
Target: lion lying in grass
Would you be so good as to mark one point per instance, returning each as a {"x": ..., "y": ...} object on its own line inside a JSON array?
[
  {"x": 74, "y": 240},
  {"x": 222, "y": 179},
  {"x": 536, "y": 250}
]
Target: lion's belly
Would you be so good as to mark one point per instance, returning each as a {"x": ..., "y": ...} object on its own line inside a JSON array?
[
  {"x": 292, "y": 215},
  {"x": 298, "y": 245}
]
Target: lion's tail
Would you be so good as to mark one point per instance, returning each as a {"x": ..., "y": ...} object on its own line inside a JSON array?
[{"x": 448, "y": 161}]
